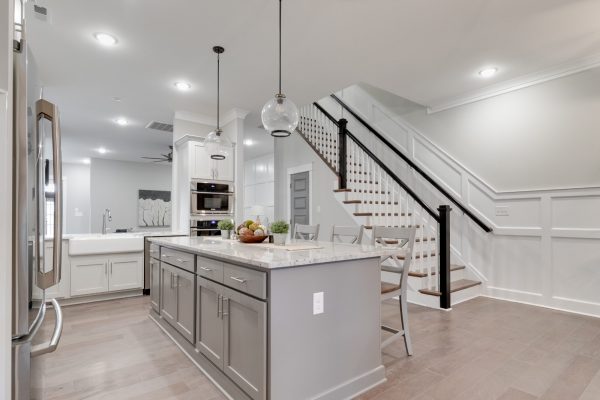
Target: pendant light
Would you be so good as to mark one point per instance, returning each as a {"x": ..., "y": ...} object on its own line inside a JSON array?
[
  {"x": 217, "y": 145},
  {"x": 280, "y": 115}
]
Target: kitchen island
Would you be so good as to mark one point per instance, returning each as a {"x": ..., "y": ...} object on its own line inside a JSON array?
[{"x": 269, "y": 322}]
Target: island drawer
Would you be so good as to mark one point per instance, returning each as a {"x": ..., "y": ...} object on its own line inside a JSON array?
[
  {"x": 178, "y": 258},
  {"x": 155, "y": 251},
  {"x": 246, "y": 280},
  {"x": 210, "y": 269}
]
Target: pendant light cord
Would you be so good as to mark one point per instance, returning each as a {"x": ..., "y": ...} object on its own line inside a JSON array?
[
  {"x": 279, "y": 46},
  {"x": 218, "y": 90}
]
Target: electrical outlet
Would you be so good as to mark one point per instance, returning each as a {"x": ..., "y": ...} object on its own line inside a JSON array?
[
  {"x": 318, "y": 303},
  {"x": 502, "y": 211}
]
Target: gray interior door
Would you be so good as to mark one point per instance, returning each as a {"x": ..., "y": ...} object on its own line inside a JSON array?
[
  {"x": 209, "y": 328},
  {"x": 299, "y": 196},
  {"x": 186, "y": 303}
]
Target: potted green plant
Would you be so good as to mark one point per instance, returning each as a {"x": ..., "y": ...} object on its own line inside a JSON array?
[
  {"x": 225, "y": 225},
  {"x": 279, "y": 229}
]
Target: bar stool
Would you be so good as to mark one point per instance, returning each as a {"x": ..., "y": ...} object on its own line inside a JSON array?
[
  {"x": 404, "y": 240},
  {"x": 347, "y": 234},
  {"x": 306, "y": 232}
]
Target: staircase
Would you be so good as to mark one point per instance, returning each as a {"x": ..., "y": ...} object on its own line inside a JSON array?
[{"x": 372, "y": 194}]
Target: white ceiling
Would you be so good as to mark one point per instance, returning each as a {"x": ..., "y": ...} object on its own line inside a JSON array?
[{"x": 424, "y": 50}]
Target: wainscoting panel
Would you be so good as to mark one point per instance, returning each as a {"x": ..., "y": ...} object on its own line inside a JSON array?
[
  {"x": 576, "y": 212},
  {"x": 575, "y": 264},
  {"x": 517, "y": 262},
  {"x": 383, "y": 123}
]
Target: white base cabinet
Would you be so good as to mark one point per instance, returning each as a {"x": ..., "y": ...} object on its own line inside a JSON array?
[{"x": 101, "y": 274}]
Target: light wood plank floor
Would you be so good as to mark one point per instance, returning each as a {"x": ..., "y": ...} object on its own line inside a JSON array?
[{"x": 483, "y": 349}]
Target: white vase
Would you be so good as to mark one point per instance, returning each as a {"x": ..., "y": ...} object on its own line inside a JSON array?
[
  {"x": 225, "y": 234},
  {"x": 279, "y": 238}
]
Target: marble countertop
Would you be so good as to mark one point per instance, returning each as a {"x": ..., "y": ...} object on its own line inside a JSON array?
[
  {"x": 271, "y": 257},
  {"x": 69, "y": 236}
]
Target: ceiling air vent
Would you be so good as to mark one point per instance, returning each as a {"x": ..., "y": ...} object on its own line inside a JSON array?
[{"x": 160, "y": 126}]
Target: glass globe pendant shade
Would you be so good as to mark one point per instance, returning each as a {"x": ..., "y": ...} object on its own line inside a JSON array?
[
  {"x": 217, "y": 146},
  {"x": 280, "y": 116}
]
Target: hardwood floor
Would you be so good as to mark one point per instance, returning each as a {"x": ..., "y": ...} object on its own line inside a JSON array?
[{"x": 483, "y": 349}]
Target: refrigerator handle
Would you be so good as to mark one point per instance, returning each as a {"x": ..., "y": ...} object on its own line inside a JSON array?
[
  {"x": 49, "y": 347},
  {"x": 45, "y": 280}
]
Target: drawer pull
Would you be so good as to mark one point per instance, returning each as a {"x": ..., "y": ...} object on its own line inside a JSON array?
[
  {"x": 182, "y": 261},
  {"x": 166, "y": 256},
  {"x": 235, "y": 278},
  {"x": 206, "y": 269}
]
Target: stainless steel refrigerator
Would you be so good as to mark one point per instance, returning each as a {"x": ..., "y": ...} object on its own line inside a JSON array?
[{"x": 37, "y": 194}]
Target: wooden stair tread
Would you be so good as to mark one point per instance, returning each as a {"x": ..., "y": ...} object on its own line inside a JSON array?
[
  {"x": 341, "y": 190},
  {"x": 417, "y": 256},
  {"x": 455, "y": 286},
  {"x": 387, "y": 287},
  {"x": 403, "y": 226},
  {"x": 425, "y": 274}
]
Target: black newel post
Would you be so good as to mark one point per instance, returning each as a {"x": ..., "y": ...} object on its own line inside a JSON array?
[
  {"x": 342, "y": 146},
  {"x": 445, "y": 256}
]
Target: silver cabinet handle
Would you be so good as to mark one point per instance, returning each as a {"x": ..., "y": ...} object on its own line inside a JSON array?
[
  {"x": 206, "y": 269},
  {"x": 176, "y": 280},
  {"x": 111, "y": 265},
  {"x": 50, "y": 346},
  {"x": 166, "y": 256},
  {"x": 182, "y": 261},
  {"x": 105, "y": 268},
  {"x": 235, "y": 278},
  {"x": 219, "y": 298},
  {"x": 223, "y": 313},
  {"x": 33, "y": 329}
]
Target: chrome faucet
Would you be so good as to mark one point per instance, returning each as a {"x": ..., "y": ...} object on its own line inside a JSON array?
[{"x": 105, "y": 217}]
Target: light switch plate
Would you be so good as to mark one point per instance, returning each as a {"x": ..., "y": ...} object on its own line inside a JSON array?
[
  {"x": 318, "y": 303},
  {"x": 502, "y": 211}
]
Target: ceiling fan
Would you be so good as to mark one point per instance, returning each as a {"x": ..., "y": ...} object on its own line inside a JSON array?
[{"x": 163, "y": 158}]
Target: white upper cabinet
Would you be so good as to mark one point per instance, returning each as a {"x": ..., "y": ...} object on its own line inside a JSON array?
[
  {"x": 201, "y": 163},
  {"x": 203, "y": 167}
]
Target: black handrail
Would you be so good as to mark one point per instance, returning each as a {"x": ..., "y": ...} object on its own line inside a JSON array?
[
  {"x": 384, "y": 167},
  {"x": 429, "y": 179}
]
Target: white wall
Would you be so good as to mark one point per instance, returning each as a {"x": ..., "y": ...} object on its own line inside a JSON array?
[
  {"x": 77, "y": 198},
  {"x": 294, "y": 152},
  {"x": 115, "y": 185},
  {"x": 259, "y": 187},
  {"x": 6, "y": 60},
  {"x": 544, "y": 136},
  {"x": 545, "y": 247}
]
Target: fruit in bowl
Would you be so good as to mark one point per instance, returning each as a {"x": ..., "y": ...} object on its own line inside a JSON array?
[{"x": 251, "y": 232}]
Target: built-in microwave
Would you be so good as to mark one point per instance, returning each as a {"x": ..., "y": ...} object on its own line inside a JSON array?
[
  {"x": 211, "y": 197},
  {"x": 206, "y": 225}
]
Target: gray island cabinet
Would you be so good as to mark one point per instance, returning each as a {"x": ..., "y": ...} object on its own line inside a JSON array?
[{"x": 268, "y": 323}]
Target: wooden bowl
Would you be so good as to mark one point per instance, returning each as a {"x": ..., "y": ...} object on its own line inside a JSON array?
[{"x": 252, "y": 239}]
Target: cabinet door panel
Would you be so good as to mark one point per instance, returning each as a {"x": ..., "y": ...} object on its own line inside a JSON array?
[
  {"x": 245, "y": 342},
  {"x": 202, "y": 163},
  {"x": 155, "y": 284},
  {"x": 89, "y": 275},
  {"x": 224, "y": 168},
  {"x": 209, "y": 328},
  {"x": 186, "y": 303},
  {"x": 168, "y": 294},
  {"x": 125, "y": 273}
]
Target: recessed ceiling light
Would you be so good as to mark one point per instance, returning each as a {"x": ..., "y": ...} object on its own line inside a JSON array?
[
  {"x": 105, "y": 39},
  {"x": 86, "y": 161},
  {"x": 488, "y": 72},
  {"x": 183, "y": 86},
  {"x": 121, "y": 121},
  {"x": 248, "y": 142},
  {"x": 102, "y": 150},
  {"x": 117, "y": 99}
]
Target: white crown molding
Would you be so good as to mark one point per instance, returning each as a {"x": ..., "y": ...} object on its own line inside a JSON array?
[
  {"x": 233, "y": 114},
  {"x": 545, "y": 75},
  {"x": 189, "y": 138}
]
